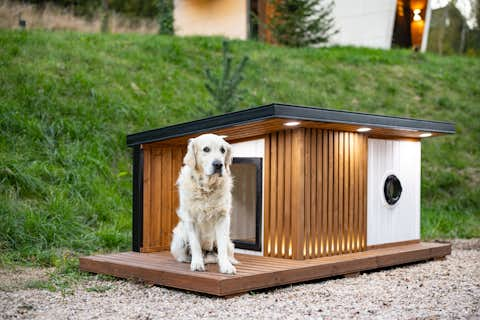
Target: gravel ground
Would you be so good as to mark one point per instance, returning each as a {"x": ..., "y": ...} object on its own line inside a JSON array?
[{"x": 431, "y": 290}]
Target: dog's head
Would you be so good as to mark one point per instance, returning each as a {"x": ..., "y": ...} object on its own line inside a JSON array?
[{"x": 209, "y": 154}]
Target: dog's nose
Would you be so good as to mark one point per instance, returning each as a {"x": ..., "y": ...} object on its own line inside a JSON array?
[{"x": 217, "y": 165}]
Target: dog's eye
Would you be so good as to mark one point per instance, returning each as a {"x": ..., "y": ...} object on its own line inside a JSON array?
[
  {"x": 222, "y": 150},
  {"x": 206, "y": 149}
]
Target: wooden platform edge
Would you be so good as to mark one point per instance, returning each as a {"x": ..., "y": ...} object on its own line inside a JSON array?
[
  {"x": 161, "y": 277},
  {"x": 311, "y": 269},
  {"x": 349, "y": 264}
]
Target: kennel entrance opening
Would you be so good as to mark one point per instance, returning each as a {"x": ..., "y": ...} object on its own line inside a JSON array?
[{"x": 246, "y": 220}]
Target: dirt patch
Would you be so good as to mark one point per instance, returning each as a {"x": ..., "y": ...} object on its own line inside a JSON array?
[{"x": 12, "y": 279}]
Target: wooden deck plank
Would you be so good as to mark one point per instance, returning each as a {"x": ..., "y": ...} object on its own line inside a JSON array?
[{"x": 254, "y": 272}]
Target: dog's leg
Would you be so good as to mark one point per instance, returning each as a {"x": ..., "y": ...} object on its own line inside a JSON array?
[
  {"x": 222, "y": 231},
  {"x": 178, "y": 247},
  {"x": 231, "y": 250},
  {"x": 197, "y": 255}
]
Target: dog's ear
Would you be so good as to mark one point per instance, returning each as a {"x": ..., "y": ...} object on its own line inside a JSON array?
[
  {"x": 190, "y": 158},
  {"x": 228, "y": 157}
]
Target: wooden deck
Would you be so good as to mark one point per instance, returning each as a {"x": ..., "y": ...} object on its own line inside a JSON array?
[{"x": 254, "y": 272}]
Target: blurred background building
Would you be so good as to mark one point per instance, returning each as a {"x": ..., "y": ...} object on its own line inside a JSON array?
[{"x": 442, "y": 26}]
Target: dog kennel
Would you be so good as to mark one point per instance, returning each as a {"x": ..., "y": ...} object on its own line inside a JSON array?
[{"x": 328, "y": 192}]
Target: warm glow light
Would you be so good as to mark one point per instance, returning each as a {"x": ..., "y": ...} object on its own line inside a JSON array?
[
  {"x": 365, "y": 129},
  {"x": 291, "y": 123},
  {"x": 416, "y": 15},
  {"x": 425, "y": 135}
]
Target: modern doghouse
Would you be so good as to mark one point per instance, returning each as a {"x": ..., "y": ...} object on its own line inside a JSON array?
[{"x": 317, "y": 193}]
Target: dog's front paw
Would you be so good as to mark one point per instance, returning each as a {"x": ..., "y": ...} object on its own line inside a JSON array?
[
  {"x": 197, "y": 266},
  {"x": 227, "y": 267},
  {"x": 233, "y": 260}
]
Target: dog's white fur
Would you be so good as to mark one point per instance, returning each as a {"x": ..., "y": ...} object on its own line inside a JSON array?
[{"x": 205, "y": 205}]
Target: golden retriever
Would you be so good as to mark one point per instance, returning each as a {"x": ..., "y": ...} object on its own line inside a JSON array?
[{"x": 205, "y": 189}]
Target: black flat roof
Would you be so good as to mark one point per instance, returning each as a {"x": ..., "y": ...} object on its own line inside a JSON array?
[{"x": 286, "y": 111}]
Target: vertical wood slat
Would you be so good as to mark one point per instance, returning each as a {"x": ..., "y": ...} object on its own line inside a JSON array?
[
  {"x": 356, "y": 206},
  {"x": 313, "y": 198},
  {"x": 307, "y": 220},
  {"x": 298, "y": 192},
  {"x": 351, "y": 194},
  {"x": 267, "y": 246},
  {"x": 364, "y": 175},
  {"x": 288, "y": 203},
  {"x": 341, "y": 183},
  {"x": 319, "y": 184},
  {"x": 330, "y": 192},
  {"x": 346, "y": 198},
  {"x": 336, "y": 186},
  {"x": 282, "y": 164},
  {"x": 273, "y": 200},
  {"x": 157, "y": 218},
  {"x": 325, "y": 194}
]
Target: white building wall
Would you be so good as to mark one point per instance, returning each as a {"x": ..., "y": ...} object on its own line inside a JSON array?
[
  {"x": 400, "y": 222},
  {"x": 366, "y": 23},
  {"x": 227, "y": 18}
]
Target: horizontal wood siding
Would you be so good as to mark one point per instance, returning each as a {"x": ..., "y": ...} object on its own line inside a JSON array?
[
  {"x": 316, "y": 191},
  {"x": 161, "y": 167}
]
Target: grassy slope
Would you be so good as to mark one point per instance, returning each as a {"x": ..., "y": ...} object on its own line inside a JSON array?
[{"x": 68, "y": 99}]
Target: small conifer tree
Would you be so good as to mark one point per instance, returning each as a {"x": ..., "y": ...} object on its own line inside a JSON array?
[
  {"x": 224, "y": 89},
  {"x": 300, "y": 23}
]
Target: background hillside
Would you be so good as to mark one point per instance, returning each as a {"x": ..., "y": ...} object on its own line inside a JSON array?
[{"x": 67, "y": 100}]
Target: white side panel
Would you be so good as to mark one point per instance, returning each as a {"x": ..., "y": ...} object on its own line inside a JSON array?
[
  {"x": 400, "y": 222},
  {"x": 252, "y": 148},
  {"x": 366, "y": 23}
]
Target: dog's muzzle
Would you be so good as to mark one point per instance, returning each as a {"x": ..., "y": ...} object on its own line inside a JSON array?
[{"x": 217, "y": 167}]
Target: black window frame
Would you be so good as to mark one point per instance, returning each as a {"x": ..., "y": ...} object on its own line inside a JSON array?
[
  {"x": 392, "y": 181},
  {"x": 258, "y": 162}
]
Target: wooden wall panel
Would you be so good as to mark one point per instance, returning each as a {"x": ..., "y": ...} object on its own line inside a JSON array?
[
  {"x": 317, "y": 189},
  {"x": 160, "y": 199}
]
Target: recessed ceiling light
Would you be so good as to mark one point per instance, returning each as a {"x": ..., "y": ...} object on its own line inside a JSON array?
[
  {"x": 365, "y": 129},
  {"x": 425, "y": 135},
  {"x": 291, "y": 123}
]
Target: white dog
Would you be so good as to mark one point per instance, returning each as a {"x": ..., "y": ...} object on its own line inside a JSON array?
[{"x": 205, "y": 186}]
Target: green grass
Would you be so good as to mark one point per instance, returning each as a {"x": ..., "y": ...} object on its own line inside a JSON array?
[{"x": 67, "y": 100}]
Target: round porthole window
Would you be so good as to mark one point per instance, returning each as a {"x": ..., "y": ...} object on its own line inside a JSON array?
[{"x": 392, "y": 189}]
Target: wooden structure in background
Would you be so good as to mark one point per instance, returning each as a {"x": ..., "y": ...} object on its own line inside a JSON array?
[{"x": 316, "y": 197}]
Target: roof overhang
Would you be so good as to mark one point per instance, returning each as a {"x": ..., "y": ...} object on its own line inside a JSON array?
[{"x": 272, "y": 117}]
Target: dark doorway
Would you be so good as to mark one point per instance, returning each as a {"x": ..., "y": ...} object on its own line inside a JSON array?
[
  {"x": 401, "y": 32},
  {"x": 246, "y": 224}
]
